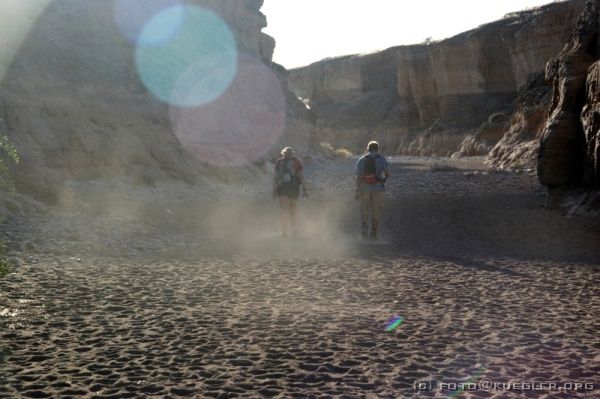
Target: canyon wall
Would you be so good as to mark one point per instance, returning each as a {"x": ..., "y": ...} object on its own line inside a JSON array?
[
  {"x": 74, "y": 101},
  {"x": 425, "y": 99},
  {"x": 569, "y": 154}
]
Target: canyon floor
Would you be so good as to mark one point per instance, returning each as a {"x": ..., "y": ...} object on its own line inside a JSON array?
[{"x": 191, "y": 292}]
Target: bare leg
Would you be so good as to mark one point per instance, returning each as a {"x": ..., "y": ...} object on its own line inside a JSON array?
[
  {"x": 374, "y": 228},
  {"x": 365, "y": 208},
  {"x": 285, "y": 214},
  {"x": 377, "y": 199},
  {"x": 293, "y": 216}
]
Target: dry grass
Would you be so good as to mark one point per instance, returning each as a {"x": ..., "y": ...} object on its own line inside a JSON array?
[{"x": 334, "y": 153}]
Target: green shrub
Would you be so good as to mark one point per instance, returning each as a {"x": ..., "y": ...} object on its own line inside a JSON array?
[
  {"x": 3, "y": 261},
  {"x": 8, "y": 153},
  {"x": 3, "y": 264}
]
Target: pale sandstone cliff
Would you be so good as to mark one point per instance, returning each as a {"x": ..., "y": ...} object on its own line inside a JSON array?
[
  {"x": 425, "y": 99},
  {"x": 75, "y": 107}
]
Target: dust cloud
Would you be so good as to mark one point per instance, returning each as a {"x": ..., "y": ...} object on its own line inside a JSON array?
[{"x": 178, "y": 220}]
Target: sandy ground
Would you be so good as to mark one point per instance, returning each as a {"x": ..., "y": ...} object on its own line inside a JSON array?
[{"x": 181, "y": 294}]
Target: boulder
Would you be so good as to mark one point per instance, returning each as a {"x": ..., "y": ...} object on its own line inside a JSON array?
[{"x": 483, "y": 138}]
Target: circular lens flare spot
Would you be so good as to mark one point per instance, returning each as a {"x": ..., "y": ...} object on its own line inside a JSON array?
[
  {"x": 132, "y": 16},
  {"x": 240, "y": 126},
  {"x": 196, "y": 65}
]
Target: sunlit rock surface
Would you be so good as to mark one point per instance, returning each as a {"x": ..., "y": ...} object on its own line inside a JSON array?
[
  {"x": 76, "y": 108},
  {"x": 424, "y": 99},
  {"x": 518, "y": 147}
]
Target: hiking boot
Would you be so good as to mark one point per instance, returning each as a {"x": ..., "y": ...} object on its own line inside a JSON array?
[{"x": 364, "y": 231}]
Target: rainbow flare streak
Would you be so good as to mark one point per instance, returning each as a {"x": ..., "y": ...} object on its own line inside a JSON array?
[
  {"x": 394, "y": 323},
  {"x": 458, "y": 392}
]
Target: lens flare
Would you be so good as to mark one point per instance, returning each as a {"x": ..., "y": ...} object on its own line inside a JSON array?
[
  {"x": 132, "y": 16},
  {"x": 478, "y": 373},
  {"x": 196, "y": 65},
  {"x": 394, "y": 323},
  {"x": 240, "y": 126}
]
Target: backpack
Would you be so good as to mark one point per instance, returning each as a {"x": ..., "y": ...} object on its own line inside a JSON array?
[
  {"x": 370, "y": 175},
  {"x": 286, "y": 174}
]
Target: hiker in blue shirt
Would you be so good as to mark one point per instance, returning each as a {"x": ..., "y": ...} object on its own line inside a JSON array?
[{"x": 371, "y": 172}]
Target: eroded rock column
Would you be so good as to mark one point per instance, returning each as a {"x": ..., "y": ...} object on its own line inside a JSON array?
[{"x": 568, "y": 150}]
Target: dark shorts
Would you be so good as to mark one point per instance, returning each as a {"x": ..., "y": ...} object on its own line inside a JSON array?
[{"x": 293, "y": 192}]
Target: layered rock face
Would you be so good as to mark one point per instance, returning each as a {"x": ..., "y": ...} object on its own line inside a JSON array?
[
  {"x": 425, "y": 99},
  {"x": 519, "y": 143},
  {"x": 569, "y": 151},
  {"x": 76, "y": 107}
]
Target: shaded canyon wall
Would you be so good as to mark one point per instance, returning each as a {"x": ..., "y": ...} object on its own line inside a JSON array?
[{"x": 73, "y": 102}]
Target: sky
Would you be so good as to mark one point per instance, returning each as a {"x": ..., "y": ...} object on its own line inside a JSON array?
[{"x": 310, "y": 30}]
